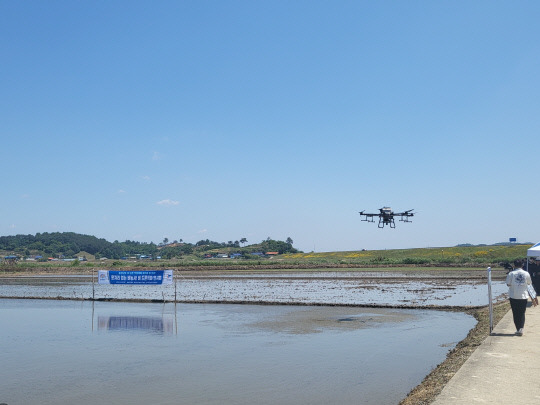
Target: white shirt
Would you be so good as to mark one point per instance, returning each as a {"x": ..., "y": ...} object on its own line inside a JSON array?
[{"x": 518, "y": 280}]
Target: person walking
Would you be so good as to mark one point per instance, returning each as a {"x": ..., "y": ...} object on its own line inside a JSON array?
[{"x": 518, "y": 280}]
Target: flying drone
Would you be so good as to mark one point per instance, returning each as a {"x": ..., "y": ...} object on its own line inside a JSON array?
[{"x": 386, "y": 216}]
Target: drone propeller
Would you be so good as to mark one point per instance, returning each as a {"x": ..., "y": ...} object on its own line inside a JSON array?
[{"x": 404, "y": 216}]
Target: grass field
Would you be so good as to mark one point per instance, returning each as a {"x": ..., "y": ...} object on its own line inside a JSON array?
[
  {"x": 444, "y": 257},
  {"x": 461, "y": 255}
]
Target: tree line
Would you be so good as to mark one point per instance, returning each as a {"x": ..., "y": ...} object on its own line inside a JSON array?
[{"x": 69, "y": 244}]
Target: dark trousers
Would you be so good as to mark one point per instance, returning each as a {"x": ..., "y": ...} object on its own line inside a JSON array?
[{"x": 518, "y": 310}]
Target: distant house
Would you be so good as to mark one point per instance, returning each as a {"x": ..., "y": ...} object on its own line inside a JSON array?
[
  {"x": 272, "y": 253},
  {"x": 11, "y": 259},
  {"x": 33, "y": 258}
]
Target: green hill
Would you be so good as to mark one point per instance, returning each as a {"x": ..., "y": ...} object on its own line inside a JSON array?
[
  {"x": 444, "y": 256},
  {"x": 69, "y": 245}
]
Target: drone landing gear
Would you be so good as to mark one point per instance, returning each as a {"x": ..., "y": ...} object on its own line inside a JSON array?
[{"x": 383, "y": 222}]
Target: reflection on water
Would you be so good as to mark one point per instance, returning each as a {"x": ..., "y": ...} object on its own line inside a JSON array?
[
  {"x": 232, "y": 354},
  {"x": 134, "y": 323}
]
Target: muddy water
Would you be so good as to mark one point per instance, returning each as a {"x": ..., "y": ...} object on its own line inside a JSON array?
[
  {"x": 304, "y": 288},
  {"x": 79, "y": 352}
]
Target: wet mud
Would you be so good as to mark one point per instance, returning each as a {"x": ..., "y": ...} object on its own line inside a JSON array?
[{"x": 395, "y": 289}]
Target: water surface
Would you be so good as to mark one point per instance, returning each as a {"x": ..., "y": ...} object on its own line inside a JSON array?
[
  {"x": 79, "y": 352},
  {"x": 300, "y": 288}
]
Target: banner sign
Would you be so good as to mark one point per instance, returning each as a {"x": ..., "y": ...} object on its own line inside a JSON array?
[{"x": 135, "y": 277}]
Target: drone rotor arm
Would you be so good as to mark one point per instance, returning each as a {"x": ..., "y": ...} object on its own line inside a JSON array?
[
  {"x": 404, "y": 216},
  {"x": 367, "y": 217}
]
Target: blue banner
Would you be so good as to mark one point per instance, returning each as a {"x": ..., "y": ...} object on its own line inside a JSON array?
[{"x": 135, "y": 277}]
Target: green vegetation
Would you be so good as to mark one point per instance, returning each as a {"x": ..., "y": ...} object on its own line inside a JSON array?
[
  {"x": 72, "y": 245},
  {"x": 239, "y": 255},
  {"x": 440, "y": 256},
  {"x": 69, "y": 244}
]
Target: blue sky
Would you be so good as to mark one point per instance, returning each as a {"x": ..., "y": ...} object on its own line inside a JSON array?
[{"x": 222, "y": 120}]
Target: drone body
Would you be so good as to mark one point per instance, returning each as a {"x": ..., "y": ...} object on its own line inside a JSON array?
[{"x": 386, "y": 216}]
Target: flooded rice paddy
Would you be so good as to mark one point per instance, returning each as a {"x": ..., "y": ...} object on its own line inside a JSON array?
[
  {"x": 336, "y": 347},
  {"x": 388, "y": 289},
  {"x": 83, "y": 352}
]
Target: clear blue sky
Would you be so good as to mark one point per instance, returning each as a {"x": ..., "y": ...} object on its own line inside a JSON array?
[{"x": 132, "y": 120}]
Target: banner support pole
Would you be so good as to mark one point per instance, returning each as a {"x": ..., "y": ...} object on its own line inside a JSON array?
[{"x": 490, "y": 301}]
